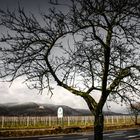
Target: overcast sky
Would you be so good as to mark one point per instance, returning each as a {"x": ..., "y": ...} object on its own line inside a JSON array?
[{"x": 19, "y": 92}]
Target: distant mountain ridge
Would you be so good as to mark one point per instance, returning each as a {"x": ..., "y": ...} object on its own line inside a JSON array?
[{"x": 37, "y": 109}]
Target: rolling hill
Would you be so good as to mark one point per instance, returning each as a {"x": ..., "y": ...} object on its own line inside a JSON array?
[{"x": 35, "y": 109}]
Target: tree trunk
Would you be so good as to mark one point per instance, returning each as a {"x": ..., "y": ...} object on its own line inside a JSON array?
[
  {"x": 98, "y": 126},
  {"x": 136, "y": 119}
]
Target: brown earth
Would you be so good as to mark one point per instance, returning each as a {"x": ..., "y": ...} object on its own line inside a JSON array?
[{"x": 58, "y": 130}]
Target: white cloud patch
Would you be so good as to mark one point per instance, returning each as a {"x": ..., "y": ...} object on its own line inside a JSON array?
[{"x": 20, "y": 93}]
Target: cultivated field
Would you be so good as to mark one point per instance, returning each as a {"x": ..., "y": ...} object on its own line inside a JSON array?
[{"x": 51, "y": 122}]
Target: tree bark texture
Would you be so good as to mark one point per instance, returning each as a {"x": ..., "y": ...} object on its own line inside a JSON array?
[
  {"x": 98, "y": 126},
  {"x": 136, "y": 119}
]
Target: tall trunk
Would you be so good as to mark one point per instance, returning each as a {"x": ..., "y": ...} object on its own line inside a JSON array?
[
  {"x": 136, "y": 119},
  {"x": 98, "y": 126}
]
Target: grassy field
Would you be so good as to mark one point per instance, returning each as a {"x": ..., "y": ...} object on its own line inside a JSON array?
[
  {"x": 53, "y": 122},
  {"x": 31, "y": 126}
]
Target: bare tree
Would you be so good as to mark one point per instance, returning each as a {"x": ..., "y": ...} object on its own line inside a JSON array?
[
  {"x": 93, "y": 47},
  {"x": 134, "y": 109}
]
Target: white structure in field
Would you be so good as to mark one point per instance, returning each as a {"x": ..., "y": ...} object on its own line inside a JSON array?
[{"x": 60, "y": 112}]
